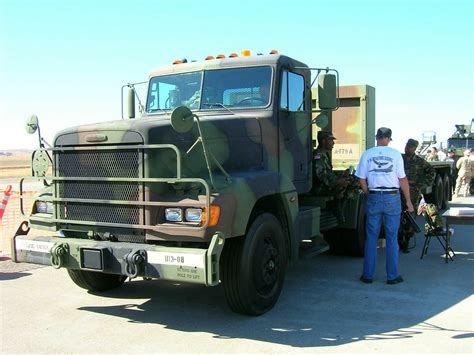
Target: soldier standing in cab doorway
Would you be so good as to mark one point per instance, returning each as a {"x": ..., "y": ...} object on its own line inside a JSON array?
[{"x": 325, "y": 181}]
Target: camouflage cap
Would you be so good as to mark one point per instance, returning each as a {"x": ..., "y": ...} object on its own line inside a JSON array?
[
  {"x": 384, "y": 132},
  {"x": 412, "y": 143},
  {"x": 325, "y": 134}
]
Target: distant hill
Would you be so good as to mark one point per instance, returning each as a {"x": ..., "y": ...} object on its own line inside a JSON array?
[{"x": 14, "y": 152}]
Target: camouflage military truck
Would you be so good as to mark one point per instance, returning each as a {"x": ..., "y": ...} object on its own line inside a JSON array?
[
  {"x": 210, "y": 184},
  {"x": 462, "y": 138},
  {"x": 441, "y": 192}
]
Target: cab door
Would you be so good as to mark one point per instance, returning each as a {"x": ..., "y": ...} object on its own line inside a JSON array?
[{"x": 294, "y": 120}]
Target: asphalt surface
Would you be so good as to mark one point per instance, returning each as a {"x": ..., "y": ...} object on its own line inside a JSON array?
[{"x": 323, "y": 308}]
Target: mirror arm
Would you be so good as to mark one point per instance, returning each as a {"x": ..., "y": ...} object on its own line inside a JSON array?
[{"x": 201, "y": 138}]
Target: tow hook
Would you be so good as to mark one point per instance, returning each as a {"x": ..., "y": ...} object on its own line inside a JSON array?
[
  {"x": 58, "y": 252},
  {"x": 134, "y": 260}
]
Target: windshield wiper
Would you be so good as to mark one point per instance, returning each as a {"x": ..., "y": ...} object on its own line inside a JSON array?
[{"x": 211, "y": 104}]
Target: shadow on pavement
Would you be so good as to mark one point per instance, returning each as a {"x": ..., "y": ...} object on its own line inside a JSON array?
[
  {"x": 12, "y": 275},
  {"x": 322, "y": 304}
]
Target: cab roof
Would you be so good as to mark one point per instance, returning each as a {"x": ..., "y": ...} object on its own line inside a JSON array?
[{"x": 230, "y": 62}]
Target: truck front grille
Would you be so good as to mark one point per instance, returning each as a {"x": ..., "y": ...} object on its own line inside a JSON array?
[
  {"x": 93, "y": 164},
  {"x": 99, "y": 163}
]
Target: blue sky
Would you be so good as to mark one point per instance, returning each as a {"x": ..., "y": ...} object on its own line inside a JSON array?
[{"x": 66, "y": 61}]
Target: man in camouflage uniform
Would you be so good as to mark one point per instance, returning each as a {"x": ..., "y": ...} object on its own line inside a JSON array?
[
  {"x": 420, "y": 175},
  {"x": 325, "y": 181}
]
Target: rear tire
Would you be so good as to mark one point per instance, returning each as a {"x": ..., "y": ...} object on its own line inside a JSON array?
[
  {"x": 446, "y": 190},
  {"x": 95, "y": 281},
  {"x": 355, "y": 244},
  {"x": 254, "y": 268},
  {"x": 437, "y": 195},
  {"x": 336, "y": 238}
]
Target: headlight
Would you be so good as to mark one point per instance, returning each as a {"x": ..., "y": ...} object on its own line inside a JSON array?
[
  {"x": 193, "y": 214},
  {"x": 44, "y": 207},
  {"x": 174, "y": 214}
]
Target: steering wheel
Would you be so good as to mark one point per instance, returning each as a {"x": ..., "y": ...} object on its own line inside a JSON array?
[{"x": 259, "y": 99}]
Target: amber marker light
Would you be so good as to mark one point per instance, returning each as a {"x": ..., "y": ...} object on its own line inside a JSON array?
[
  {"x": 178, "y": 61},
  {"x": 273, "y": 51},
  {"x": 213, "y": 216},
  {"x": 233, "y": 55},
  {"x": 209, "y": 57},
  {"x": 246, "y": 53},
  {"x": 220, "y": 56}
]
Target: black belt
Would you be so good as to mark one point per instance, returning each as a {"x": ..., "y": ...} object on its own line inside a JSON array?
[{"x": 384, "y": 192}]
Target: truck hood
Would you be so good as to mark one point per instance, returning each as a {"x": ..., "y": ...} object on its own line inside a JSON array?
[
  {"x": 158, "y": 131},
  {"x": 235, "y": 140}
]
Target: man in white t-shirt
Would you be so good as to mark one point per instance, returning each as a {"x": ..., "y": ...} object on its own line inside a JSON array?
[{"x": 381, "y": 175}]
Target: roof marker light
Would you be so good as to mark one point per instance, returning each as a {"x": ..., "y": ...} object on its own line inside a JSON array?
[
  {"x": 246, "y": 53},
  {"x": 177, "y": 61},
  {"x": 209, "y": 57},
  {"x": 233, "y": 55},
  {"x": 273, "y": 51},
  {"x": 220, "y": 56}
]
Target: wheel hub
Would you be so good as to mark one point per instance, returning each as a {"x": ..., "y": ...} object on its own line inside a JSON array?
[{"x": 269, "y": 266}]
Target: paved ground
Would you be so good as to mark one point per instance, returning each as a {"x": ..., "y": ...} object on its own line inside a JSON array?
[{"x": 323, "y": 309}]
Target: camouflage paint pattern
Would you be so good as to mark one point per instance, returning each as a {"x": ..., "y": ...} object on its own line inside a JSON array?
[
  {"x": 112, "y": 181},
  {"x": 353, "y": 124}
]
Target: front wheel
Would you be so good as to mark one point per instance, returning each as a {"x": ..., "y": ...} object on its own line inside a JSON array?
[
  {"x": 95, "y": 281},
  {"x": 254, "y": 267}
]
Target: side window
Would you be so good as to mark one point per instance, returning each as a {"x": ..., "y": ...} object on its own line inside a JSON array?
[{"x": 292, "y": 92}]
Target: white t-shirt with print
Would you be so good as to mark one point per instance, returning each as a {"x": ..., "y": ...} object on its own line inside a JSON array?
[{"x": 381, "y": 166}]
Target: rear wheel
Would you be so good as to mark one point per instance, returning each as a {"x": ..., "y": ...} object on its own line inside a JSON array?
[
  {"x": 437, "y": 195},
  {"x": 95, "y": 281},
  {"x": 254, "y": 267},
  {"x": 356, "y": 237},
  {"x": 446, "y": 190},
  {"x": 336, "y": 238}
]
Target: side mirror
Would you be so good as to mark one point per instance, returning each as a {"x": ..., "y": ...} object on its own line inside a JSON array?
[
  {"x": 327, "y": 91},
  {"x": 131, "y": 103},
  {"x": 182, "y": 119},
  {"x": 32, "y": 124},
  {"x": 322, "y": 120}
]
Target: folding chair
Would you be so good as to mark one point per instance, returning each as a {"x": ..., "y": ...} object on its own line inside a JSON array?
[{"x": 433, "y": 230}]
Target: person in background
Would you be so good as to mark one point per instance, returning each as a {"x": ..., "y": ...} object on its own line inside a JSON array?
[
  {"x": 381, "y": 175},
  {"x": 442, "y": 154},
  {"x": 432, "y": 155},
  {"x": 420, "y": 175},
  {"x": 450, "y": 156},
  {"x": 465, "y": 166}
]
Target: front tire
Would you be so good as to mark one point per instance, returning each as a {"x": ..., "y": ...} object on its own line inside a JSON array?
[
  {"x": 254, "y": 268},
  {"x": 95, "y": 281}
]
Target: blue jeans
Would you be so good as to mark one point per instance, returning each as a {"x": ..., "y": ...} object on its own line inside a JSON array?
[{"x": 386, "y": 208}]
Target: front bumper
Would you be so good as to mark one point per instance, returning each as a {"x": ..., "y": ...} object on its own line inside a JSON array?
[{"x": 190, "y": 265}]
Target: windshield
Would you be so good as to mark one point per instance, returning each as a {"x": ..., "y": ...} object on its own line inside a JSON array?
[
  {"x": 460, "y": 143},
  {"x": 212, "y": 89}
]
